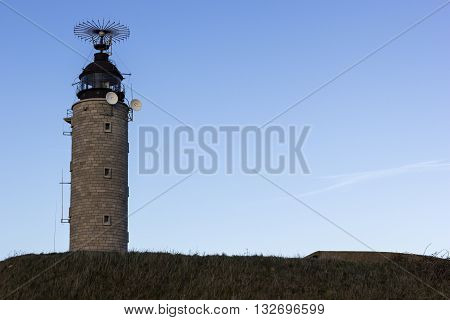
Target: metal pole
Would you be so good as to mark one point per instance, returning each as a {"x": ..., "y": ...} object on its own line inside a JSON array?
[{"x": 62, "y": 195}]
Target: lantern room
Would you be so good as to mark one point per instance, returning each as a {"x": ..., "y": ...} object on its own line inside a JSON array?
[{"x": 100, "y": 77}]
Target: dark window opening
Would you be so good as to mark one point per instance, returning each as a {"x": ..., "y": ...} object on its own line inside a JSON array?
[
  {"x": 106, "y": 220},
  {"x": 107, "y": 126},
  {"x": 108, "y": 173}
]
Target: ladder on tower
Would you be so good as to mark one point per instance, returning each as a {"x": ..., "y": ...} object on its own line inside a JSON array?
[{"x": 62, "y": 183}]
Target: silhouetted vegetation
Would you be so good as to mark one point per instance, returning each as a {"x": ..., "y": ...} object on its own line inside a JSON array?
[{"x": 134, "y": 275}]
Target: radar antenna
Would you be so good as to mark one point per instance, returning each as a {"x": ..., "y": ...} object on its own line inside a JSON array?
[{"x": 102, "y": 34}]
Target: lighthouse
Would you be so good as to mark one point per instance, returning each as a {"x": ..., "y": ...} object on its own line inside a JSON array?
[{"x": 98, "y": 213}]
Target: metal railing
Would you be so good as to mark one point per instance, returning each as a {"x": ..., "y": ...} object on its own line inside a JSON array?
[
  {"x": 100, "y": 81},
  {"x": 80, "y": 86}
]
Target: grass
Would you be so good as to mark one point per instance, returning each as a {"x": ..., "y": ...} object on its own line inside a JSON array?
[{"x": 94, "y": 275}]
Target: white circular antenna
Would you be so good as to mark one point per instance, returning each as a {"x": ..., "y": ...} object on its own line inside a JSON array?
[
  {"x": 112, "y": 98},
  {"x": 136, "y": 105}
]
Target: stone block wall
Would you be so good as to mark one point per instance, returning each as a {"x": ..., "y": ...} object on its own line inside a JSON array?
[{"x": 99, "y": 176}]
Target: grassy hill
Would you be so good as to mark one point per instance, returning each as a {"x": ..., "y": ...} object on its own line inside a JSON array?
[{"x": 91, "y": 275}]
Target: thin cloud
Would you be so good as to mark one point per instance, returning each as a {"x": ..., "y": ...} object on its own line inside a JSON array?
[{"x": 354, "y": 178}]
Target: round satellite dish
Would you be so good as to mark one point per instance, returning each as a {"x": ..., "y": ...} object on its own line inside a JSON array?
[
  {"x": 136, "y": 104},
  {"x": 111, "y": 98}
]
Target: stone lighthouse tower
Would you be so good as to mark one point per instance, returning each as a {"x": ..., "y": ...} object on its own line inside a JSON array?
[{"x": 98, "y": 212}]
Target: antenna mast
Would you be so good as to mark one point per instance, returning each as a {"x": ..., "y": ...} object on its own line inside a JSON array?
[{"x": 102, "y": 34}]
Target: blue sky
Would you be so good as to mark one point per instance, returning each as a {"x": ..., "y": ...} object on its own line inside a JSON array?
[{"x": 378, "y": 148}]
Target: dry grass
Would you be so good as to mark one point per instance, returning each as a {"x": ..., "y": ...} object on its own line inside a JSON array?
[{"x": 172, "y": 276}]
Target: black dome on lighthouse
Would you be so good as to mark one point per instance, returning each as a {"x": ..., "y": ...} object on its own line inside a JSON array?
[{"x": 101, "y": 64}]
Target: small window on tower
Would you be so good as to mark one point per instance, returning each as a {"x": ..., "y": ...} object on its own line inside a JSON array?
[
  {"x": 106, "y": 220},
  {"x": 108, "y": 173},
  {"x": 107, "y": 126}
]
